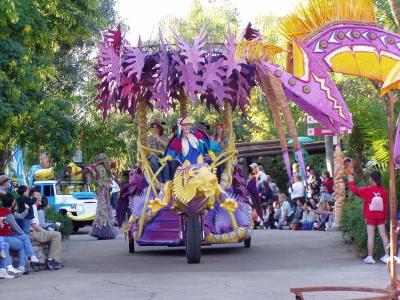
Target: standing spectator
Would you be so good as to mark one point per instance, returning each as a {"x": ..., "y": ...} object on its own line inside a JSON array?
[
  {"x": 220, "y": 138},
  {"x": 313, "y": 183},
  {"x": 260, "y": 175},
  {"x": 286, "y": 211},
  {"x": 326, "y": 187},
  {"x": 296, "y": 189},
  {"x": 295, "y": 171},
  {"x": 309, "y": 217},
  {"x": 375, "y": 199},
  {"x": 23, "y": 201},
  {"x": 114, "y": 194},
  {"x": 53, "y": 238}
]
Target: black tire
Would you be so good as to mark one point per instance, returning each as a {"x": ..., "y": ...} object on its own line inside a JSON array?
[
  {"x": 247, "y": 243},
  {"x": 131, "y": 245},
  {"x": 75, "y": 227},
  {"x": 193, "y": 240}
]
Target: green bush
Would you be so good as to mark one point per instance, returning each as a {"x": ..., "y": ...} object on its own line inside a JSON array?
[
  {"x": 66, "y": 223},
  {"x": 354, "y": 229}
]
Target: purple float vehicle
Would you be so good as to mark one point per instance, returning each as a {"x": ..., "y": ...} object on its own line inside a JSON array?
[{"x": 192, "y": 192}]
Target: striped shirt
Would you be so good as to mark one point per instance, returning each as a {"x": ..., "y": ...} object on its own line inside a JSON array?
[{"x": 10, "y": 220}]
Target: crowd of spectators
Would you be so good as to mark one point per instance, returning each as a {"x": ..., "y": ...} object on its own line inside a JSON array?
[
  {"x": 309, "y": 206},
  {"x": 22, "y": 225}
]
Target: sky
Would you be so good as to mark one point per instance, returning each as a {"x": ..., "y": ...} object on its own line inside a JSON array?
[{"x": 142, "y": 16}]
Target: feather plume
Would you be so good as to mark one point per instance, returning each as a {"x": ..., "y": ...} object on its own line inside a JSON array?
[{"x": 314, "y": 14}]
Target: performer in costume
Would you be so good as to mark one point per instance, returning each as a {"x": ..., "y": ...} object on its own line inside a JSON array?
[
  {"x": 103, "y": 226},
  {"x": 187, "y": 145},
  {"x": 158, "y": 141}
]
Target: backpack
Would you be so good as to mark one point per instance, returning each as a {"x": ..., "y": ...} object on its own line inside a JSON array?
[{"x": 376, "y": 203}]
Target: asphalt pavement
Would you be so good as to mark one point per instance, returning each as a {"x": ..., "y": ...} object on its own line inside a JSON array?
[{"x": 276, "y": 262}]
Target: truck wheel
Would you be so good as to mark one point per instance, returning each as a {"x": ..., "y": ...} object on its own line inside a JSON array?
[
  {"x": 131, "y": 245},
  {"x": 193, "y": 240},
  {"x": 247, "y": 243},
  {"x": 75, "y": 227}
]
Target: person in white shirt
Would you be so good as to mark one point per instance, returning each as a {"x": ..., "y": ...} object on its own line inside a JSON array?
[
  {"x": 296, "y": 189},
  {"x": 53, "y": 238}
]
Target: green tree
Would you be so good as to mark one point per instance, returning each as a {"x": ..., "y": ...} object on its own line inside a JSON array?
[{"x": 44, "y": 54}]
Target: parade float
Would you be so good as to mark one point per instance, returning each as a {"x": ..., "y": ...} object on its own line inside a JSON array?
[
  {"x": 196, "y": 207},
  {"x": 343, "y": 37}
]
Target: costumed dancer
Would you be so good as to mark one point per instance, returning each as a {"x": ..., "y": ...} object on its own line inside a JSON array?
[
  {"x": 158, "y": 141},
  {"x": 103, "y": 226},
  {"x": 187, "y": 145}
]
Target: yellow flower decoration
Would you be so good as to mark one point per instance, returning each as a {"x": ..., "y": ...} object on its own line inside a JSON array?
[{"x": 230, "y": 205}]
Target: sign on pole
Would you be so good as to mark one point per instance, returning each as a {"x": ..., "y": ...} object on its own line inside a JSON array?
[{"x": 320, "y": 131}]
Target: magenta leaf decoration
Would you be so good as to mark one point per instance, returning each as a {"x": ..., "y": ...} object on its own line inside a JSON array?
[
  {"x": 251, "y": 34},
  {"x": 133, "y": 62}
]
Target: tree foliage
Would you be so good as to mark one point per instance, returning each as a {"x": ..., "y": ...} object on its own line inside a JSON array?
[{"x": 44, "y": 47}]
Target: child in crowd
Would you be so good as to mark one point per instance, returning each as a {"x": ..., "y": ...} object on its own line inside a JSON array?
[
  {"x": 4, "y": 249},
  {"x": 309, "y": 217},
  {"x": 326, "y": 187},
  {"x": 277, "y": 212},
  {"x": 298, "y": 215},
  {"x": 269, "y": 220},
  {"x": 325, "y": 217},
  {"x": 23, "y": 201}
]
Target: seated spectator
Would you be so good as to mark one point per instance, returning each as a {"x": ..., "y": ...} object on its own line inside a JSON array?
[
  {"x": 14, "y": 235},
  {"x": 325, "y": 217},
  {"x": 286, "y": 211},
  {"x": 4, "y": 253},
  {"x": 22, "y": 201},
  {"x": 296, "y": 189},
  {"x": 269, "y": 220},
  {"x": 298, "y": 215},
  {"x": 52, "y": 226},
  {"x": 309, "y": 217},
  {"x": 326, "y": 187},
  {"x": 266, "y": 194},
  {"x": 256, "y": 220},
  {"x": 52, "y": 238},
  {"x": 277, "y": 211}
]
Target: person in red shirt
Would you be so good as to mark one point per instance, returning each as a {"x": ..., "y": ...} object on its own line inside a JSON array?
[{"x": 374, "y": 217}]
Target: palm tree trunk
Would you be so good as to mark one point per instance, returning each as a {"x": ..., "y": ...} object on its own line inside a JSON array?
[
  {"x": 284, "y": 105},
  {"x": 395, "y": 8},
  {"x": 142, "y": 132},
  {"x": 270, "y": 97},
  {"x": 339, "y": 185},
  {"x": 183, "y": 107},
  {"x": 226, "y": 177}
]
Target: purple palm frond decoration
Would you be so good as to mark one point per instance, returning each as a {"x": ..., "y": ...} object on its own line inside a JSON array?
[
  {"x": 161, "y": 90},
  {"x": 193, "y": 54},
  {"x": 109, "y": 72},
  {"x": 133, "y": 61},
  {"x": 187, "y": 77},
  {"x": 230, "y": 61}
]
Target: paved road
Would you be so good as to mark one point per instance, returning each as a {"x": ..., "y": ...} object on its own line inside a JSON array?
[{"x": 277, "y": 261}]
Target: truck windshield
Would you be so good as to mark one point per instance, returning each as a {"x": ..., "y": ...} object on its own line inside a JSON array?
[{"x": 68, "y": 189}]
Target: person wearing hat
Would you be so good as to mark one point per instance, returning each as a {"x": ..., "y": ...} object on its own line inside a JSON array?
[
  {"x": 187, "y": 144},
  {"x": 103, "y": 225},
  {"x": 158, "y": 141},
  {"x": 4, "y": 180}
]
